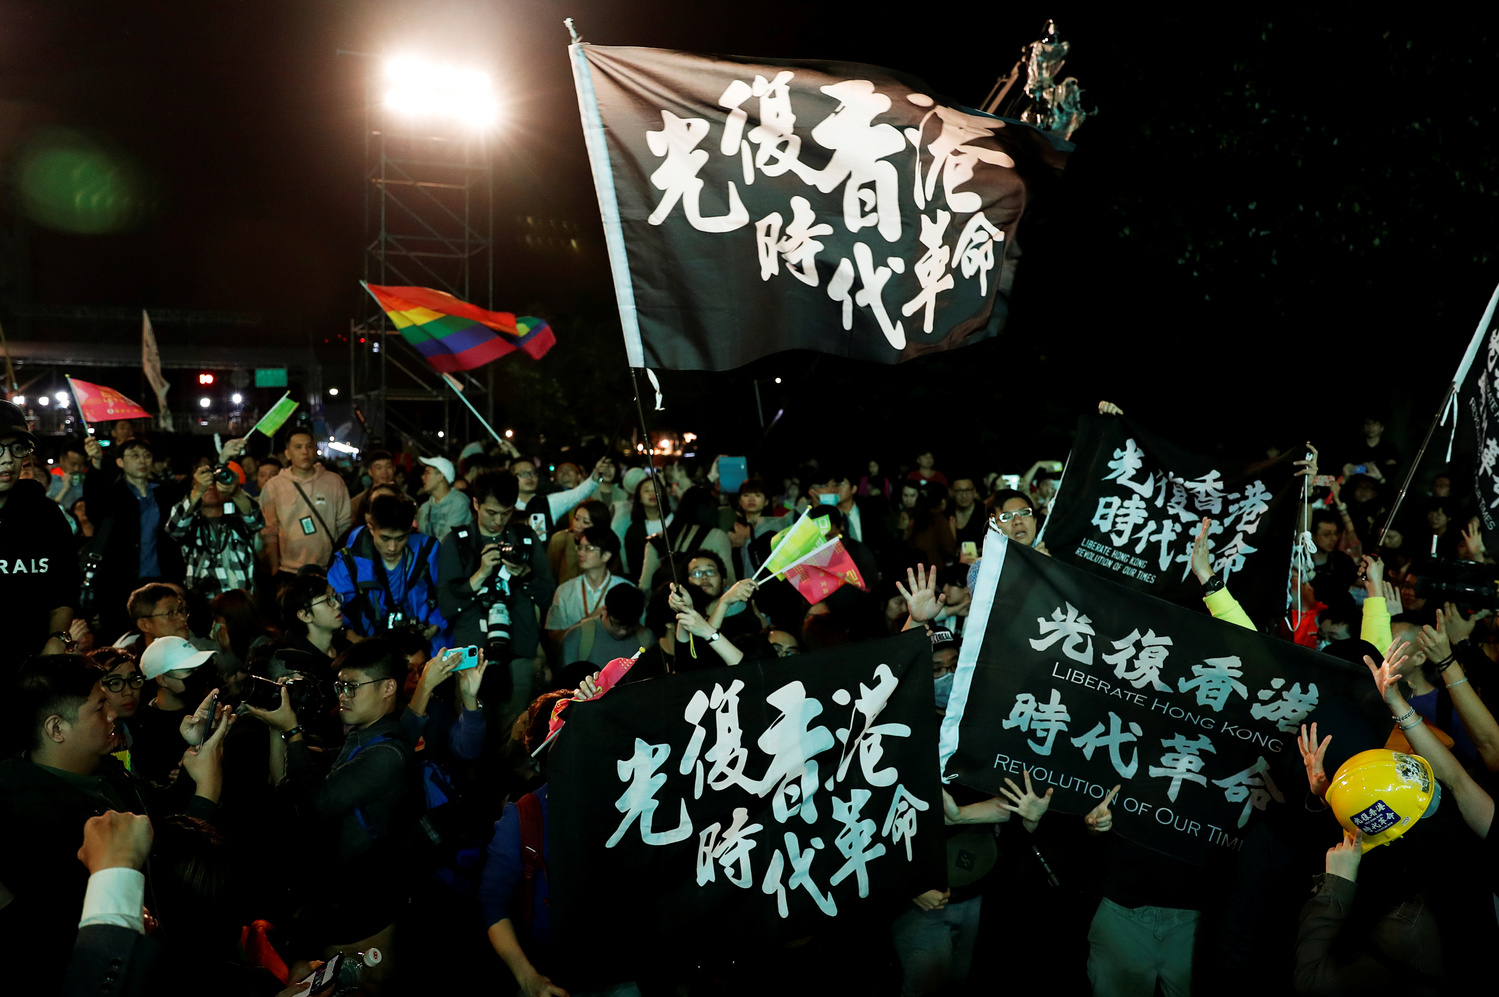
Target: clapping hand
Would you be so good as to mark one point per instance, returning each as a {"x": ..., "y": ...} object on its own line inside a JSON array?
[{"x": 1312, "y": 755}]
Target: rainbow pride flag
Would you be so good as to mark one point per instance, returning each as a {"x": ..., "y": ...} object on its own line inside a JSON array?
[{"x": 454, "y": 335}]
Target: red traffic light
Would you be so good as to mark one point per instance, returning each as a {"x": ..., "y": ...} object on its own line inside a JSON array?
[{"x": 205, "y": 378}]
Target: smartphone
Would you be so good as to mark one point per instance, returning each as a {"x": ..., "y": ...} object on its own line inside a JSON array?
[
  {"x": 470, "y": 658},
  {"x": 1323, "y": 481},
  {"x": 213, "y": 709},
  {"x": 1056, "y": 465},
  {"x": 325, "y": 975},
  {"x": 828, "y": 498},
  {"x": 970, "y": 549},
  {"x": 733, "y": 472},
  {"x": 104, "y": 443},
  {"x": 1011, "y": 481},
  {"x": 1360, "y": 468}
]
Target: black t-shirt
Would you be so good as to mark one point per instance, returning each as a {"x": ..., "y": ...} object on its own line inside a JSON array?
[{"x": 38, "y": 564}]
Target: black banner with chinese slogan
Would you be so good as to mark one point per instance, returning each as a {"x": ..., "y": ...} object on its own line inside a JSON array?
[
  {"x": 751, "y": 208},
  {"x": 1131, "y": 504},
  {"x": 1089, "y": 685},
  {"x": 1478, "y": 380},
  {"x": 746, "y": 805}
]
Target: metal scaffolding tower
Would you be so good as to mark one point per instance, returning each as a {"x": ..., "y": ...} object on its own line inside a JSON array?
[{"x": 429, "y": 222}]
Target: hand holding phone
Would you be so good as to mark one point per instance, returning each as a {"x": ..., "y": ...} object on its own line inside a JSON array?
[{"x": 469, "y": 659}]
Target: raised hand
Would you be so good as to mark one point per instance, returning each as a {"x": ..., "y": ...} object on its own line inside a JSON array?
[
  {"x": 1343, "y": 858},
  {"x": 1473, "y": 540},
  {"x": 922, "y": 599},
  {"x": 1109, "y": 408},
  {"x": 470, "y": 680},
  {"x": 1309, "y": 465},
  {"x": 1101, "y": 819},
  {"x": 115, "y": 841},
  {"x": 1312, "y": 755},
  {"x": 1434, "y": 641},
  {"x": 1459, "y": 629},
  {"x": 195, "y": 727},
  {"x": 1387, "y": 674},
  {"x": 1372, "y": 568},
  {"x": 1028, "y": 805},
  {"x": 1202, "y": 553}
]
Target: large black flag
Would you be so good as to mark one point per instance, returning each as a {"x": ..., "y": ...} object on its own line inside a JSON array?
[
  {"x": 746, "y": 805},
  {"x": 1090, "y": 685},
  {"x": 756, "y": 207},
  {"x": 1479, "y": 406},
  {"x": 1131, "y": 504}
]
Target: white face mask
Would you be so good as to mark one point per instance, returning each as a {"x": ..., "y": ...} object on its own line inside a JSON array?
[{"x": 944, "y": 690}]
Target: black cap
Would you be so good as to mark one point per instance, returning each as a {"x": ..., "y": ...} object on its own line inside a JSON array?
[{"x": 13, "y": 423}]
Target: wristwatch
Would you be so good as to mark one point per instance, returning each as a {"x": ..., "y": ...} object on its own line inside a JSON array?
[
  {"x": 713, "y": 636},
  {"x": 65, "y": 637},
  {"x": 1213, "y": 584},
  {"x": 287, "y": 735}
]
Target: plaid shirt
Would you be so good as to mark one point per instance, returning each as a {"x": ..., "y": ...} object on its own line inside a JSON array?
[{"x": 220, "y": 552}]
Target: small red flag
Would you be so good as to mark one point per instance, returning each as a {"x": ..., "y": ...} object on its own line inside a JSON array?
[
  {"x": 96, "y": 403},
  {"x": 821, "y": 574}
]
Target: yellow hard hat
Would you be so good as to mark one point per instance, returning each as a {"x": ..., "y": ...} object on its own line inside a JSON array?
[{"x": 1381, "y": 794}]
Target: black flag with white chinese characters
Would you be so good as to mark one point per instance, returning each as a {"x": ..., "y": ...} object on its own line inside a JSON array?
[
  {"x": 1478, "y": 414},
  {"x": 1090, "y": 685},
  {"x": 1131, "y": 504},
  {"x": 743, "y": 806},
  {"x": 753, "y": 207}
]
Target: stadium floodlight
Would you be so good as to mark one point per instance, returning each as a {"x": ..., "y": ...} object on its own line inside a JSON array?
[
  {"x": 204, "y": 402},
  {"x": 421, "y": 89}
]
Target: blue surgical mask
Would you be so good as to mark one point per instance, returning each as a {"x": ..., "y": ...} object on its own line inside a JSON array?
[{"x": 944, "y": 691}]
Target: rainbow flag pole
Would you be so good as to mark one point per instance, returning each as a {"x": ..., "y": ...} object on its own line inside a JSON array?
[{"x": 452, "y": 382}]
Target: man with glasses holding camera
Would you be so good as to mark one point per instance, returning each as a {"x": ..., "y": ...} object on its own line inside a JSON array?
[
  {"x": 216, "y": 525},
  {"x": 366, "y": 803},
  {"x": 493, "y": 581},
  {"x": 38, "y": 566}
]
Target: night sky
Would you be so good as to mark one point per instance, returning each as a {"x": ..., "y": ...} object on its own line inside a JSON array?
[{"x": 1271, "y": 225}]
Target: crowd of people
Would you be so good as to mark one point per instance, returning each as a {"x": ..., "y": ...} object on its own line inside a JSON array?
[{"x": 275, "y": 713}]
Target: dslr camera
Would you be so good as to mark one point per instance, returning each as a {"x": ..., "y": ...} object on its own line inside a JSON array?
[{"x": 224, "y": 475}]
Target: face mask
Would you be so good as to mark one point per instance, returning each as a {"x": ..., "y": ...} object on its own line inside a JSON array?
[
  {"x": 828, "y": 498},
  {"x": 944, "y": 690}
]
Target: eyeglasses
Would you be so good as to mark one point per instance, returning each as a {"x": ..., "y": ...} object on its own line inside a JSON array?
[
  {"x": 588, "y": 548},
  {"x": 331, "y": 599},
  {"x": 117, "y": 683},
  {"x": 346, "y": 690},
  {"x": 1005, "y": 517},
  {"x": 703, "y": 573},
  {"x": 18, "y": 449},
  {"x": 525, "y": 474},
  {"x": 180, "y": 613}
]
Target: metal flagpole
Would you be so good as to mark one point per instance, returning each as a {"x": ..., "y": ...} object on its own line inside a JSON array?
[
  {"x": 79, "y": 405},
  {"x": 1449, "y": 403},
  {"x": 458, "y": 390}
]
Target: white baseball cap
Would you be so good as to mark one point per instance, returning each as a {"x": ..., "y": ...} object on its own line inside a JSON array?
[
  {"x": 168, "y": 654},
  {"x": 442, "y": 464}
]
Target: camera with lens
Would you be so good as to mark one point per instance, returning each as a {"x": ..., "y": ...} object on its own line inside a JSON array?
[
  {"x": 224, "y": 475},
  {"x": 307, "y": 697},
  {"x": 1468, "y": 585}
]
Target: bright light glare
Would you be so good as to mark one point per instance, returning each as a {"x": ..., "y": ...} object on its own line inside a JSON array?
[
  {"x": 440, "y": 434},
  {"x": 42, "y": 399},
  {"x": 509, "y": 434},
  {"x": 342, "y": 447},
  {"x": 424, "y": 89},
  {"x": 62, "y": 397},
  {"x": 204, "y": 402},
  {"x": 666, "y": 444},
  {"x": 19, "y": 399},
  {"x": 236, "y": 398},
  {"x": 333, "y": 392}
]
